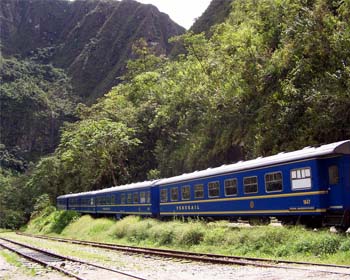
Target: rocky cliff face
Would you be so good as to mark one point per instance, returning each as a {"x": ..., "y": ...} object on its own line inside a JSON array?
[
  {"x": 91, "y": 39},
  {"x": 216, "y": 13}
]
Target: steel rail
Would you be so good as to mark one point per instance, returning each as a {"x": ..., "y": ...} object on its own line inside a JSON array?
[
  {"x": 39, "y": 261},
  {"x": 52, "y": 254},
  {"x": 201, "y": 257}
]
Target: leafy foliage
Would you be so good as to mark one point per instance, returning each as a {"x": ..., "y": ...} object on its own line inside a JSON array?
[{"x": 34, "y": 102}]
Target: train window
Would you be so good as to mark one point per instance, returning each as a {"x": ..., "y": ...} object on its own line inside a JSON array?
[
  {"x": 129, "y": 198},
  {"x": 273, "y": 182},
  {"x": 142, "y": 197},
  {"x": 213, "y": 189},
  {"x": 333, "y": 175},
  {"x": 163, "y": 195},
  {"x": 185, "y": 192},
  {"x": 198, "y": 191},
  {"x": 230, "y": 187},
  {"x": 301, "y": 178},
  {"x": 148, "y": 197},
  {"x": 113, "y": 199},
  {"x": 92, "y": 201},
  {"x": 250, "y": 184},
  {"x": 136, "y": 197},
  {"x": 122, "y": 198},
  {"x": 174, "y": 194}
]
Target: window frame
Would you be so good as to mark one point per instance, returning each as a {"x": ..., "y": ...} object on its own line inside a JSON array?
[
  {"x": 148, "y": 197},
  {"x": 291, "y": 178},
  {"x": 165, "y": 190},
  {"x": 195, "y": 192},
  {"x": 129, "y": 198},
  {"x": 330, "y": 180},
  {"x": 182, "y": 192},
  {"x": 137, "y": 200},
  {"x": 123, "y": 198},
  {"x": 177, "y": 194},
  {"x": 142, "y": 197},
  {"x": 244, "y": 185},
  {"x": 272, "y": 173},
  {"x": 213, "y": 182},
  {"x": 231, "y": 179}
]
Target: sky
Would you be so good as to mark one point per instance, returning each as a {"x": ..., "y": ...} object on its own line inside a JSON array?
[{"x": 183, "y": 12}]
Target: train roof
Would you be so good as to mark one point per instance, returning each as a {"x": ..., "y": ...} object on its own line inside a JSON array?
[
  {"x": 132, "y": 186},
  {"x": 342, "y": 147}
]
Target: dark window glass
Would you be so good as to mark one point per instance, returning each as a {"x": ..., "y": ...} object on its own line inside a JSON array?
[
  {"x": 163, "y": 195},
  {"x": 231, "y": 187},
  {"x": 136, "y": 197},
  {"x": 250, "y": 184},
  {"x": 142, "y": 197},
  {"x": 199, "y": 191},
  {"x": 185, "y": 192},
  {"x": 273, "y": 182},
  {"x": 148, "y": 197},
  {"x": 129, "y": 198},
  {"x": 174, "y": 194},
  {"x": 122, "y": 198},
  {"x": 333, "y": 175},
  {"x": 213, "y": 189}
]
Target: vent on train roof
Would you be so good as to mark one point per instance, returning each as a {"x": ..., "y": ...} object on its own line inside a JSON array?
[{"x": 308, "y": 147}]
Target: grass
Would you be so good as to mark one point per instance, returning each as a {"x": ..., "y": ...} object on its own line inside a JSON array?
[{"x": 293, "y": 243}]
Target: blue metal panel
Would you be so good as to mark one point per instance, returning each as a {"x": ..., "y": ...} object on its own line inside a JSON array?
[
  {"x": 286, "y": 202},
  {"x": 119, "y": 209},
  {"x": 345, "y": 174},
  {"x": 338, "y": 193}
]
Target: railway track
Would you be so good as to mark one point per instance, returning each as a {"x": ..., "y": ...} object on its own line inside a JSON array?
[
  {"x": 209, "y": 258},
  {"x": 71, "y": 267}
]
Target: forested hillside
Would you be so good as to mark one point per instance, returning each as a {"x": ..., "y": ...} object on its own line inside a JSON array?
[
  {"x": 55, "y": 53},
  {"x": 273, "y": 76},
  {"x": 91, "y": 40}
]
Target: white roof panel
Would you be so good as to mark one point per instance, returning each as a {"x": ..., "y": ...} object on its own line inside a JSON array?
[{"x": 132, "y": 186}]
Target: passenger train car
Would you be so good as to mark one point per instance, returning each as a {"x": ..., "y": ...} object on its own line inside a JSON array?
[{"x": 311, "y": 186}]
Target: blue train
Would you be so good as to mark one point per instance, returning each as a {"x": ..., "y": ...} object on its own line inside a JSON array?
[{"x": 310, "y": 186}]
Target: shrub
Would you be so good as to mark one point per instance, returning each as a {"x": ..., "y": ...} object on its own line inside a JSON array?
[
  {"x": 191, "y": 234},
  {"x": 62, "y": 219},
  {"x": 326, "y": 244},
  {"x": 215, "y": 236}
]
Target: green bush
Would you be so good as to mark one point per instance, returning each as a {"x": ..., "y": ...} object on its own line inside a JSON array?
[
  {"x": 191, "y": 234},
  {"x": 51, "y": 221},
  {"x": 63, "y": 219},
  {"x": 216, "y": 236},
  {"x": 11, "y": 219},
  {"x": 326, "y": 244}
]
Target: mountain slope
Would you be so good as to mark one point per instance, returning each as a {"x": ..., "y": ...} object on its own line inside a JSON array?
[
  {"x": 91, "y": 39},
  {"x": 216, "y": 13}
]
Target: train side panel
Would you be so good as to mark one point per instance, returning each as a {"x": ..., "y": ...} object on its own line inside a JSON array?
[
  {"x": 334, "y": 177},
  {"x": 125, "y": 202},
  {"x": 269, "y": 191}
]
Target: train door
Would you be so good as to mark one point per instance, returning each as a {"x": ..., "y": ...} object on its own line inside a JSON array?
[{"x": 335, "y": 183}]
